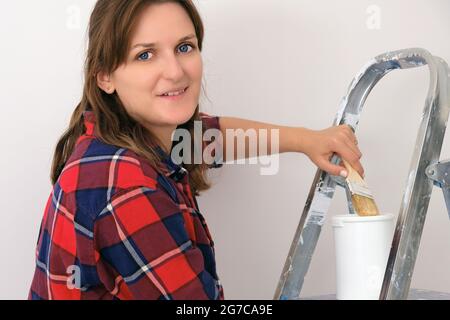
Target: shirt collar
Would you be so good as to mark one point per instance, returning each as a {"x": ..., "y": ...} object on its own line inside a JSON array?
[{"x": 167, "y": 166}]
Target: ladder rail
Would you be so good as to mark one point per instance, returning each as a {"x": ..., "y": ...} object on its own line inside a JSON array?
[{"x": 416, "y": 198}]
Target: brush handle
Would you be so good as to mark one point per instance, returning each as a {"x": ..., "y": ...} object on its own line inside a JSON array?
[{"x": 353, "y": 175}]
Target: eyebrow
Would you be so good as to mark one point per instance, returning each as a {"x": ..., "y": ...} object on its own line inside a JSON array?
[{"x": 151, "y": 45}]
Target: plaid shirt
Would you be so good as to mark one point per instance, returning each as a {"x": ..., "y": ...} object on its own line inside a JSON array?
[{"x": 114, "y": 227}]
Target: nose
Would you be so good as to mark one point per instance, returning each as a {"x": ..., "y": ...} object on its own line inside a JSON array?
[{"x": 172, "y": 68}]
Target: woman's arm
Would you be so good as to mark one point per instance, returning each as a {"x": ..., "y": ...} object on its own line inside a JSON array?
[{"x": 318, "y": 145}]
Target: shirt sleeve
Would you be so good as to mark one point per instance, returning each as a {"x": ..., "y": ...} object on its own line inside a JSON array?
[
  {"x": 143, "y": 249},
  {"x": 212, "y": 122}
]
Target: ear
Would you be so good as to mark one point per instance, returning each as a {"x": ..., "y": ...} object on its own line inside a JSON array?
[{"x": 105, "y": 83}]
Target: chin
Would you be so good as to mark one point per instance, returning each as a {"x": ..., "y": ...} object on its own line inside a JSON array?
[{"x": 178, "y": 117}]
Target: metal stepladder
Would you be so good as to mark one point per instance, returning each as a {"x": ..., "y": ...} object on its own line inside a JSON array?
[{"x": 425, "y": 171}]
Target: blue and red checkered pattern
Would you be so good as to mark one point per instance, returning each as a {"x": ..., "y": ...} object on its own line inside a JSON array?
[{"x": 115, "y": 227}]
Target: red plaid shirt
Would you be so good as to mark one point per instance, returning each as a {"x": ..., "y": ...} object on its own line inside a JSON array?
[{"x": 114, "y": 227}]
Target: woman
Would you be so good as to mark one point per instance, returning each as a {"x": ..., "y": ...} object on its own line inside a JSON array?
[{"x": 122, "y": 221}]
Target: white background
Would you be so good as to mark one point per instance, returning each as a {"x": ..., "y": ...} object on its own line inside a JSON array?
[{"x": 282, "y": 61}]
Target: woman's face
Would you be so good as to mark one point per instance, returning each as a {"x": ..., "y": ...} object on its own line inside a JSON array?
[{"x": 168, "y": 65}]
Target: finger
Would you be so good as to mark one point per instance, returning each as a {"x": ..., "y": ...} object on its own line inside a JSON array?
[
  {"x": 354, "y": 148},
  {"x": 351, "y": 136},
  {"x": 331, "y": 168},
  {"x": 351, "y": 141},
  {"x": 347, "y": 151},
  {"x": 351, "y": 157},
  {"x": 356, "y": 165}
]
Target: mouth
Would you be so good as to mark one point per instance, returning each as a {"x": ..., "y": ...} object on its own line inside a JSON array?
[{"x": 175, "y": 96}]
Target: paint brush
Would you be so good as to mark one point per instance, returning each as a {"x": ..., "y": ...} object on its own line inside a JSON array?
[{"x": 362, "y": 199}]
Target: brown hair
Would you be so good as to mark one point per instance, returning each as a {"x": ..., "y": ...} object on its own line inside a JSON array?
[{"x": 110, "y": 29}]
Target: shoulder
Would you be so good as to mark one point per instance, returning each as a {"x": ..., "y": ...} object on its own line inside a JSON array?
[
  {"x": 97, "y": 166},
  {"x": 98, "y": 174},
  {"x": 209, "y": 121}
]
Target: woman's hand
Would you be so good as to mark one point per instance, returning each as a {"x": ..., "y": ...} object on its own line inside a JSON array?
[{"x": 320, "y": 145}]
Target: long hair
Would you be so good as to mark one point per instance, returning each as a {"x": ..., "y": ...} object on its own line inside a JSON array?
[{"x": 110, "y": 30}]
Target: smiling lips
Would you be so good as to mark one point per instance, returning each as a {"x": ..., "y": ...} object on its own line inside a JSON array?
[{"x": 174, "y": 95}]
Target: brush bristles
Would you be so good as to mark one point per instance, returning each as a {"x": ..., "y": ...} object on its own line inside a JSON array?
[{"x": 364, "y": 206}]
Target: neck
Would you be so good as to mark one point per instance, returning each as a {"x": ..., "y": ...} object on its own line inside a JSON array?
[{"x": 164, "y": 135}]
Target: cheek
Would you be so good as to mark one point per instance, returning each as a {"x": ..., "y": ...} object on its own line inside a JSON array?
[
  {"x": 135, "y": 88},
  {"x": 138, "y": 82},
  {"x": 196, "y": 69}
]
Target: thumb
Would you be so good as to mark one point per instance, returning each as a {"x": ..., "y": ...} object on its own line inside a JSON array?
[{"x": 332, "y": 169}]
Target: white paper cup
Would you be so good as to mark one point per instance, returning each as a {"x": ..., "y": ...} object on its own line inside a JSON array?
[{"x": 362, "y": 246}]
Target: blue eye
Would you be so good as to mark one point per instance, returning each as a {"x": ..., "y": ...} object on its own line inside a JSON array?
[
  {"x": 144, "y": 56},
  {"x": 184, "y": 46}
]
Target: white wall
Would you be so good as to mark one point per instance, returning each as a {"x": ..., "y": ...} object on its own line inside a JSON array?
[{"x": 288, "y": 62}]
